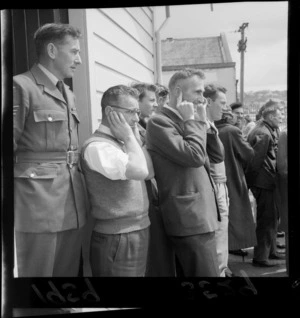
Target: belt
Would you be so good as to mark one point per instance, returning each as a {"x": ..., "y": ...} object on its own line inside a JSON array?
[{"x": 70, "y": 157}]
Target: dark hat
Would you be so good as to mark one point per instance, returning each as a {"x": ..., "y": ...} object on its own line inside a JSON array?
[{"x": 236, "y": 105}]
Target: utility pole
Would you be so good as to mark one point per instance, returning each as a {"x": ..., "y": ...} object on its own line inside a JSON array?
[{"x": 242, "y": 49}]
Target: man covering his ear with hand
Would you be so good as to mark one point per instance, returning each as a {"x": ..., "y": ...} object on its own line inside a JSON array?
[{"x": 177, "y": 142}]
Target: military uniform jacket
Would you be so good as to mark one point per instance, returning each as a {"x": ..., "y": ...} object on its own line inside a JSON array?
[{"x": 49, "y": 194}]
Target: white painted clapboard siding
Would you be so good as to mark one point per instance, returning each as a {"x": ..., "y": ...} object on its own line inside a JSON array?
[
  {"x": 108, "y": 29},
  {"x": 128, "y": 24},
  {"x": 118, "y": 48},
  {"x": 121, "y": 48},
  {"x": 114, "y": 59}
]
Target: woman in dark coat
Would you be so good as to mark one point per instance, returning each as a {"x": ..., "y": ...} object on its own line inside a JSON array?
[{"x": 238, "y": 153}]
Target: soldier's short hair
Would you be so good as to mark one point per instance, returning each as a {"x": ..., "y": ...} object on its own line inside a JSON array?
[{"x": 53, "y": 32}]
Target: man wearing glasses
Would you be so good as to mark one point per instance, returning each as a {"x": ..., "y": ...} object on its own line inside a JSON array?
[{"x": 115, "y": 165}]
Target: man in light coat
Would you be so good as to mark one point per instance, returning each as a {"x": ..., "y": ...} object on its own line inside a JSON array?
[
  {"x": 49, "y": 206},
  {"x": 216, "y": 103}
]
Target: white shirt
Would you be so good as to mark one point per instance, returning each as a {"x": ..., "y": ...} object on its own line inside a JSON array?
[{"x": 105, "y": 158}]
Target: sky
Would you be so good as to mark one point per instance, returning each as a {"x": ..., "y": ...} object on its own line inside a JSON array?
[{"x": 265, "y": 64}]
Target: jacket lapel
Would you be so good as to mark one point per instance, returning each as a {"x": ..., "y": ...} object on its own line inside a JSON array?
[
  {"x": 42, "y": 79},
  {"x": 167, "y": 112}
]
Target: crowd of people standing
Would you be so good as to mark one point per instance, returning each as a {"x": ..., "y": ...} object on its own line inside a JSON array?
[{"x": 166, "y": 175}]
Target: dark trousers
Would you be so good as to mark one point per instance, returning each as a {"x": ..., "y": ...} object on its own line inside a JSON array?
[
  {"x": 197, "y": 255},
  {"x": 266, "y": 223},
  {"x": 119, "y": 255},
  {"x": 161, "y": 256},
  {"x": 48, "y": 254}
]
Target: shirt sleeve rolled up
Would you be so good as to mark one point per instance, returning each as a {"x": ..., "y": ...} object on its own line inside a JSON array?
[{"x": 107, "y": 159}]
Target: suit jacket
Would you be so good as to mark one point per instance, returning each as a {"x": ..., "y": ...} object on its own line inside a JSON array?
[
  {"x": 185, "y": 189},
  {"x": 261, "y": 171},
  {"x": 49, "y": 195}
]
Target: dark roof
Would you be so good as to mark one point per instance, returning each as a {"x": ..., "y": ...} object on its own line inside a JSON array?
[{"x": 195, "y": 51}]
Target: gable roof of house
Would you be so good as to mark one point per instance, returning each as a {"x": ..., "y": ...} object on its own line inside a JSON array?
[{"x": 195, "y": 51}]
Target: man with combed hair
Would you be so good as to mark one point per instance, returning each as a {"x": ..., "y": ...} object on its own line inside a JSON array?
[
  {"x": 49, "y": 206},
  {"x": 115, "y": 166},
  {"x": 216, "y": 103},
  {"x": 177, "y": 138},
  {"x": 261, "y": 178},
  {"x": 147, "y": 101},
  {"x": 161, "y": 261}
]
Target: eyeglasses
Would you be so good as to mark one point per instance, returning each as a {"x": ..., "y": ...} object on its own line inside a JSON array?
[{"x": 131, "y": 111}]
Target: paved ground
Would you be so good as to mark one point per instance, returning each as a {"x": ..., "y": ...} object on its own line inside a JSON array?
[{"x": 236, "y": 264}]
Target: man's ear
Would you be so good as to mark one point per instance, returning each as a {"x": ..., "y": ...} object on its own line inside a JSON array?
[
  {"x": 271, "y": 116},
  {"x": 160, "y": 100},
  {"x": 177, "y": 91},
  {"x": 107, "y": 110},
  {"x": 51, "y": 50}
]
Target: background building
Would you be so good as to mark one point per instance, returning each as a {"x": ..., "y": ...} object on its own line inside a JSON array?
[{"x": 210, "y": 54}]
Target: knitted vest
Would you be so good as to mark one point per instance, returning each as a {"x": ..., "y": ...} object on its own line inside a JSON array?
[{"x": 119, "y": 206}]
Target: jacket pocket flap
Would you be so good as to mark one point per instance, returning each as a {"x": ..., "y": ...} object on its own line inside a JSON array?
[
  {"x": 27, "y": 170},
  {"x": 49, "y": 115},
  {"x": 183, "y": 210}
]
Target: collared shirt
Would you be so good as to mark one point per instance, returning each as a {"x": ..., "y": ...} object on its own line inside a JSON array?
[
  {"x": 105, "y": 158},
  {"x": 51, "y": 76}
]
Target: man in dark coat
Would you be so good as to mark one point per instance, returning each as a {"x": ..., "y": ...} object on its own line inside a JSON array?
[
  {"x": 161, "y": 257},
  {"x": 238, "y": 154},
  {"x": 282, "y": 187},
  {"x": 176, "y": 139},
  {"x": 261, "y": 178}
]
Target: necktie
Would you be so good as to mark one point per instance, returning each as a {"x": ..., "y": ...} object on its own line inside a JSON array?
[{"x": 60, "y": 87}]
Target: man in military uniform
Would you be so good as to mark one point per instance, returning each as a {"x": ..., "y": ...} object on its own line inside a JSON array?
[{"x": 49, "y": 206}]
